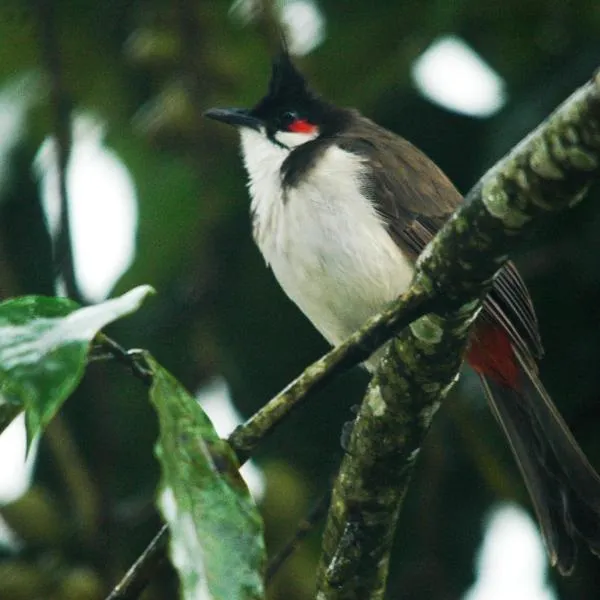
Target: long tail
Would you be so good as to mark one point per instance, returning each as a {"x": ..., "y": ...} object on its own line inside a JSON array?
[{"x": 564, "y": 487}]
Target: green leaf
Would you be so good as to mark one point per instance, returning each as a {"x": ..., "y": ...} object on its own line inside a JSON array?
[
  {"x": 217, "y": 541},
  {"x": 44, "y": 343}
]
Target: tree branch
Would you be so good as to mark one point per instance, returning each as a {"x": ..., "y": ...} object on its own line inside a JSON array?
[{"x": 548, "y": 171}]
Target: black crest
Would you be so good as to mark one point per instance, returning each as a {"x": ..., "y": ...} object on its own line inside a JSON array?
[
  {"x": 286, "y": 80},
  {"x": 287, "y": 88}
]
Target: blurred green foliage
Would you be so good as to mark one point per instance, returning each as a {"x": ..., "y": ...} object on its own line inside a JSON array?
[{"x": 149, "y": 68}]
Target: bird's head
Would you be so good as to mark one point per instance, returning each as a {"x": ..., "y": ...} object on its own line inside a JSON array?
[{"x": 290, "y": 114}]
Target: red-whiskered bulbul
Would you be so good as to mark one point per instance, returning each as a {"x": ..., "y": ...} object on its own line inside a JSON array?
[{"x": 341, "y": 208}]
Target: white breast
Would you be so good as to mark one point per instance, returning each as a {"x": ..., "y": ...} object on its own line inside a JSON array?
[{"x": 325, "y": 244}]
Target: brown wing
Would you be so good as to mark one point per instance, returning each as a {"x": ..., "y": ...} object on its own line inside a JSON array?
[{"x": 399, "y": 170}]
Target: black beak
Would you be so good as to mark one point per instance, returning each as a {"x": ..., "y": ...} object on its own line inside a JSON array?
[{"x": 240, "y": 117}]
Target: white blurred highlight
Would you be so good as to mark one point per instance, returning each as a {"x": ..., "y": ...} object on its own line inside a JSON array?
[
  {"x": 215, "y": 399},
  {"x": 103, "y": 208},
  {"x": 512, "y": 560},
  {"x": 305, "y": 25},
  {"x": 453, "y": 75},
  {"x": 16, "y": 472},
  {"x": 303, "y": 21}
]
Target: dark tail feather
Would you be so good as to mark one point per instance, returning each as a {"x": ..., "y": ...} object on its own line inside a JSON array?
[{"x": 564, "y": 487}]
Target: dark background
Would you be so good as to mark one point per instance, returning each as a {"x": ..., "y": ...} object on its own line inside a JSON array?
[{"x": 149, "y": 69}]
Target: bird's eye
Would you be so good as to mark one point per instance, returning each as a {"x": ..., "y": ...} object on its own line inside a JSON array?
[{"x": 287, "y": 118}]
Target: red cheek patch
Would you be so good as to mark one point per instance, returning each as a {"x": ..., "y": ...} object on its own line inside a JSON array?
[{"x": 302, "y": 126}]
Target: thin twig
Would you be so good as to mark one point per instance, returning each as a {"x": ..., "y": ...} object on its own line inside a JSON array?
[
  {"x": 316, "y": 513},
  {"x": 143, "y": 569},
  {"x": 132, "y": 359}
]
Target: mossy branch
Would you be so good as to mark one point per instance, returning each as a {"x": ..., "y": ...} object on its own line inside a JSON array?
[{"x": 548, "y": 171}]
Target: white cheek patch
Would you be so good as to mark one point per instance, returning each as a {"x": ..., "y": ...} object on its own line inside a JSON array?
[
  {"x": 292, "y": 139},
  {"x": 262, "y": 157}
]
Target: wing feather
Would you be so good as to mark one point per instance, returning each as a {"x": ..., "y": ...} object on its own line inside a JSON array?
[{"x": 414, "y": 199}]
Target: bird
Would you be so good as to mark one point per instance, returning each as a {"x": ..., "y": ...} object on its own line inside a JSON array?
[{"x": 341, "y": 208}]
